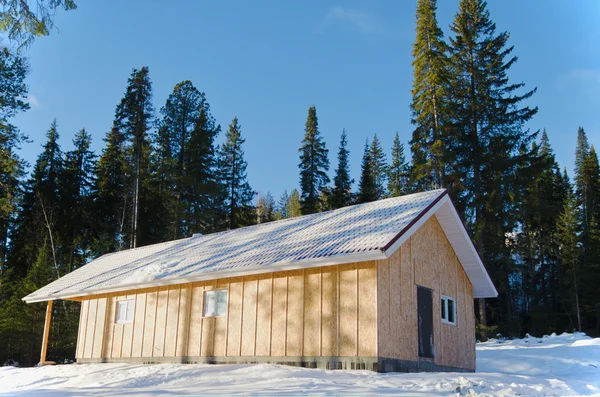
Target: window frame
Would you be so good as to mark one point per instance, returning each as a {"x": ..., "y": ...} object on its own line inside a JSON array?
[
  {"x": 126, "y": 303},
  {"x": 216, "y": 292},
  {"x": 444, "y": 301}
]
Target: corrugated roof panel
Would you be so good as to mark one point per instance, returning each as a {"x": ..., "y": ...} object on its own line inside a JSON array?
[{"x": 356, "y": 229}]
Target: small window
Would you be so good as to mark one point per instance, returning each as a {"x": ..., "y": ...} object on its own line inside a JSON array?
[
  {"x": 215, "y": 303},
  {"x": 448, "y": 310},
  {"x": 124, "y": 311}
]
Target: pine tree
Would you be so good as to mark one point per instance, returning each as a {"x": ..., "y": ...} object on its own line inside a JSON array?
[
  {"x": 367, "y": 187},
  {"x": 379, "y": 167},
  {"x": 314, "y": 164},
  {"x": 233, "y": 174},
  {"x": 487, "y": 136},
  {"x": 294, "y": 205},
  {"x": 398, "y": 172},
  {"x": 429, "y": 144},
  {"x": 133, "y": 117},
  {"x": 341, "y": 194}
]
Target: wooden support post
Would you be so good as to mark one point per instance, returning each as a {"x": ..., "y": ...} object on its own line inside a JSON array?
[{"x": 46, "y": 333}]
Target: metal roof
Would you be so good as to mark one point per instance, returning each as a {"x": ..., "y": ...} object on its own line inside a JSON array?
[{"x": 370, "y": 231}]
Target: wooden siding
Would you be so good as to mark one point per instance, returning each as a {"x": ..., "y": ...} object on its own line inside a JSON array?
[
  {"x": 428, "y": 260},
  {"x": 327, "y": 311}
]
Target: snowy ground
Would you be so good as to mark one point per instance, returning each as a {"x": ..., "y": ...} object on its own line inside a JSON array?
[{"x": 563, "y": 365}]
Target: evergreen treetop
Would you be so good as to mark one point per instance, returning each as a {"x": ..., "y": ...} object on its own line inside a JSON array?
[
  {"x": 379, "y": 166},
  {"x": 398, "y": 172},
  {"x": 232, "y": 165},
  {"x": 314, "y": 164},
  {"x": 341, "y": 194},
  {"x": 429, "y": 106},
  {"x": 367, "y": 187}
]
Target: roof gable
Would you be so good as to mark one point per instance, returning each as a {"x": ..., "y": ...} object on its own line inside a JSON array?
[{"x": 370, "y": 231}]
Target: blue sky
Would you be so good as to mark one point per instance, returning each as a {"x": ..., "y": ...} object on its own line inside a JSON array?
[{"x": 266, "y": 62}]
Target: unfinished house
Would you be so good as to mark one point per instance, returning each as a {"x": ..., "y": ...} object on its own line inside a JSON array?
[{"x": 385, "y": 286}]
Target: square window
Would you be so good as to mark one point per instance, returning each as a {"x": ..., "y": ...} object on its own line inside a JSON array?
[
  {"x": 215, "y": 303},
  {"x": 125, "y": 311},
  {"x": 448, "y": 310}
]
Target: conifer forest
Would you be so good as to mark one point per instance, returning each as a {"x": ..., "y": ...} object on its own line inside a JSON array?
[{"x": 162, "y": 176}]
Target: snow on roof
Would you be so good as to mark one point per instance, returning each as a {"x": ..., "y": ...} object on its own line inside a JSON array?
[{"x": 356, "y": 233}]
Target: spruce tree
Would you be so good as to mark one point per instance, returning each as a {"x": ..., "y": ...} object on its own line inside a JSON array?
[
  {"x": 429, "y": 144},
  {"x": 488, "y": 133},
  {"x": 232, "y": 166},
  {"x": 582, "y": 149},
  {"x": 282, "y": 206},
  {"x": 294, "y": 205},
  {"x": 13, "y": 69},
  {"x": 341, "y": 194},
  {"x": 314, "y": 164},
  {"x": 379, "y": 167},
  {"x": 540, "y": 202},
  {"x": 35, "y": 225},
  {"x": 76, "y": 187},
  {"x": 112, "y": 195},
  {"x": 204, "y": 195},
  {"x": 367, "y": 187},
  {"x": 590, "y": 240},
  {"x": 398, "y": 172},
  {"x": 181, "y": 113},
  {"x": 133, "y": 117},
  {"x": 569, "y": 253},
  {"x": 270, "y": 207},
  {"x": 38, "y": 255}
]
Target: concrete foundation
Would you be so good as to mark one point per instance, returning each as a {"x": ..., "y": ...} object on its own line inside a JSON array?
[{"x": 377, "y": 364}]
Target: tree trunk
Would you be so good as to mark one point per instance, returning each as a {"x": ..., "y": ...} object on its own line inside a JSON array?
[
  {"x": 577, "y": 303},
  {"x": 136, "y": 196},
  {"x": 477, "y": 191},
  {"x": 482, "y": 320}
]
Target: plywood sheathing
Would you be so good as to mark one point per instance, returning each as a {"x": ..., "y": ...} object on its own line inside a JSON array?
[
  {"x": 428, "y": 260},
  {"x": 326, "y": 311}
]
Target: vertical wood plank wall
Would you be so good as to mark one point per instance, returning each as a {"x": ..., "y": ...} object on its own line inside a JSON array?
[
  {"x": 426, "y": 259},
  {"x": 329, "y": 311}
]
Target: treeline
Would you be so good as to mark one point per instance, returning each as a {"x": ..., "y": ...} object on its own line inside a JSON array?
[{"x": 162, "y": 176}]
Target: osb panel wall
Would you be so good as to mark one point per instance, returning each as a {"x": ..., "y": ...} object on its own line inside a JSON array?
[
  {"x": 329, "y": 311},
  {"x": 426, "y": 259}
]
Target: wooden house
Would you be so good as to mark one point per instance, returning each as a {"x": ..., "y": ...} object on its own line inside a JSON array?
[{"x": 385, "y": 286}]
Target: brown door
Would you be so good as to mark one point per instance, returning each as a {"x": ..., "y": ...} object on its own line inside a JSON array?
[{"x": 425, "y": 308}]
